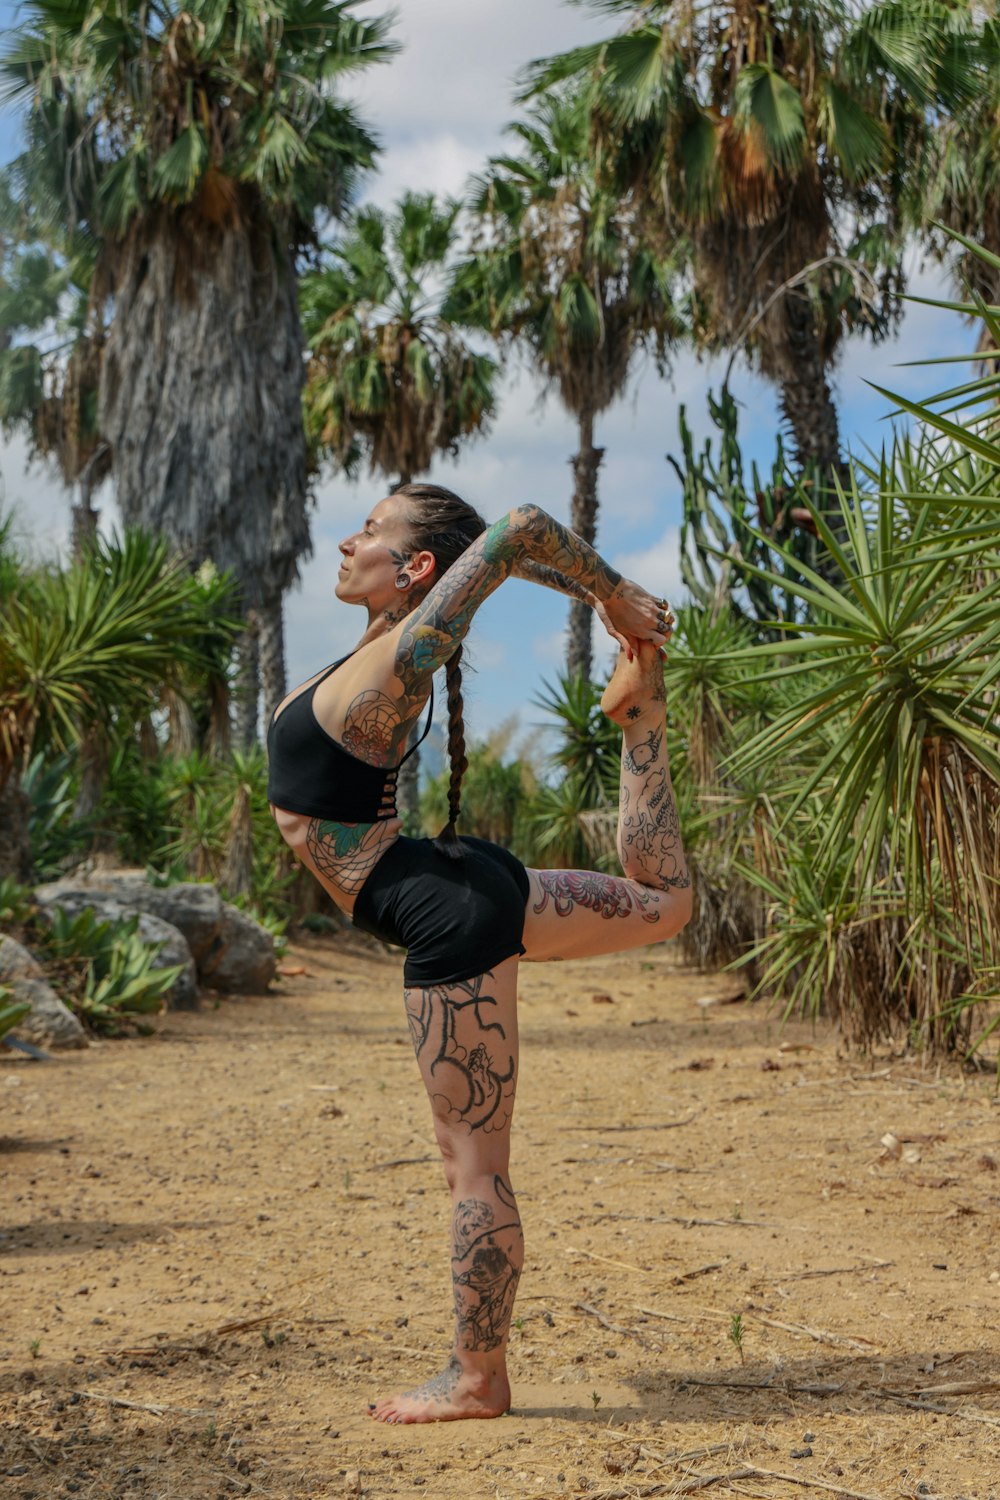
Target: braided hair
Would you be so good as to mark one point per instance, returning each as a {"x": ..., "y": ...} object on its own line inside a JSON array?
[{"x": 442, "y": 523}]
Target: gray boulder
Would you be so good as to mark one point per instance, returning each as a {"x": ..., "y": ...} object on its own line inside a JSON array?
[
  {"x": 244, "y": 961},
  {"x": 231, "y": 951},
  {"x": 183, "y": 993},
  {"x": 49, "y": 1023},
  {"x": 194, "y": 909}
]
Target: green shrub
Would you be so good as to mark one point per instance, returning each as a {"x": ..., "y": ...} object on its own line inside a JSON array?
[
  {"x": 107, "y": 972},
  {"x": 58, "y": 839},
  {"x": 11, "y": 1014},
  {"x": 15, "y": 903}
]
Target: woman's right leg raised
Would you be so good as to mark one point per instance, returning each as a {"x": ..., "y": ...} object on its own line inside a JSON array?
[{"x": 580, "y": 913}]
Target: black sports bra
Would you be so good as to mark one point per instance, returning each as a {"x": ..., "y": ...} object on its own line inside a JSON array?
[{"x": 310, "y": 773}]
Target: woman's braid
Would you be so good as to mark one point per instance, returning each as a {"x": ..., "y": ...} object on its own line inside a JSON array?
[
  {"x": 442, "y": 523},
  {"x": 447, "y": 840}
]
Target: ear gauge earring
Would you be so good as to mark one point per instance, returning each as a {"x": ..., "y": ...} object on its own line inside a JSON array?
[{"x": 402, "y": 580}]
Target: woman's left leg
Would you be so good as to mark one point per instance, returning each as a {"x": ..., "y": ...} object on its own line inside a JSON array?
[
  {"x": 581, "y": 913},
  {"x": 465, "y": 1036}
]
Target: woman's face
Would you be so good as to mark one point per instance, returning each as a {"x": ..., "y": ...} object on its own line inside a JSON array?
[{"x": 374, "y": 556}]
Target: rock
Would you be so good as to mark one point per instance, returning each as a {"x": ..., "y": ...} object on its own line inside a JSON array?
[
  {"x": 193, "y": 908},
  {"x": 73, "y": 899},
  {"x": 231, "y": 952},
  {"x": 183, "y": 993},
  {"x": 49, "y": 1023},
  {"x": 244, "y": 961}
]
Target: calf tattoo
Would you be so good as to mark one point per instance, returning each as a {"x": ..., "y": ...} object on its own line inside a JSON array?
[
  {"x": 606, "y": 894},
  {"x": 467, "y": 1065},
  {"x": 649, "y": 828},
  {"x": 483, "y": 1273}
]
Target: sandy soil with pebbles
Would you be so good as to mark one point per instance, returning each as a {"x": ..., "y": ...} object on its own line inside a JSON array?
[{"x": 219, "y": 1242}]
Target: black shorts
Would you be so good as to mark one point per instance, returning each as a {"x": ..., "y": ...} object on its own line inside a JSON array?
[{"x": 456, "y": 917}]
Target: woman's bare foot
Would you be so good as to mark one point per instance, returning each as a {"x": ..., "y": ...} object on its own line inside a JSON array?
[
  {"x": 636, "y": 686},
  {"x": 449, "y": 1397}
]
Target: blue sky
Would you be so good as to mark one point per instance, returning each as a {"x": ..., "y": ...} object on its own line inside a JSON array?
[{"x": 439, "y": 110}]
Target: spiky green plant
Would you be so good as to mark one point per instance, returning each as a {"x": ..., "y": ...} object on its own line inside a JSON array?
[{"x": 885, "y": 762}]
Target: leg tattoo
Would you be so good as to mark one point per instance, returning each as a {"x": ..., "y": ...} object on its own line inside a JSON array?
[
  {"x": 611, "y": 897},
  {"x": 468, "y": 1079},
  {"x": 485, "y": 1267}
]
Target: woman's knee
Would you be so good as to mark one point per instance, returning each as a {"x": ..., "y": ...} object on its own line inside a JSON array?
[{"x": 467, "y": 1154}]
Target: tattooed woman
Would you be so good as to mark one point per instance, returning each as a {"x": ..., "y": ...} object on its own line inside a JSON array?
[{"x": 466, "y": 910}]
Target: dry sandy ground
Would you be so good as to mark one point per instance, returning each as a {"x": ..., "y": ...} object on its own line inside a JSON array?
[{"x": 219, "y": 1242}]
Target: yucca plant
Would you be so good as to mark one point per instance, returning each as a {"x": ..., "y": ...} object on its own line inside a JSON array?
[
  {"x": 715, "y": 701},
  {"x": 219, "y": 828},
  {"x": 495, "y": 793},
  {"x": 93, "y": 644},
  {"x": 893, "y": 734},
  {"x": 571, "y": 820}
]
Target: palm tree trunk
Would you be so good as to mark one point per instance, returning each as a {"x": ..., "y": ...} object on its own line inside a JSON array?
[
  {"x": 272, "y": 653},
  {"x": 85, "y": 517},
  {"x": 808, "y": 407},
  {"x": 92, "y": 754},
  {"x": 182, "y": 734},
  {"x": 219, "y": 734},
  {"x": 247, "y": 683},
  {"x": 201, "y": 396},
  {"x": 583, "y": 520},
  {"x": 15, "y": 838}
]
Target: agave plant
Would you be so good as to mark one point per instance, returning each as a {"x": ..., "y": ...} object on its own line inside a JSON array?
[{"x": 12, "y": 1012}]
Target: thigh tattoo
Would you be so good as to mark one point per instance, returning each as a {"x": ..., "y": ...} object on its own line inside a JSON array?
[{"x": 476, "y": 1080}]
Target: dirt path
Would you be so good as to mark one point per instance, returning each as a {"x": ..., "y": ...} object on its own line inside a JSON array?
[{"x": 221, "y": 1241}]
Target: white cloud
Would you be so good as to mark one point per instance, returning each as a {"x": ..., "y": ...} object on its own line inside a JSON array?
[
  {"x": 440, "y": 164},
  {"x": 657, "y": 567},
  {"x": 39, "y": 500}
]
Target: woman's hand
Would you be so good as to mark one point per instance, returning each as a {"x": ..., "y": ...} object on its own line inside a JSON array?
[{"x": 632, "y": 615}]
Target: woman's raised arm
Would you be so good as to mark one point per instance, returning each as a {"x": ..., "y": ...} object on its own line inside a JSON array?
[{"x": 441, "y": 621}]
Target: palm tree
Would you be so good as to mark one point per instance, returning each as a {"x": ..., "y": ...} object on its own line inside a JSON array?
[
  {"x": 49, "y": 354},
  {"x": 778, "y": 141},
  {"x": 390, "y": 379},
  {"x": 562, "y": 271},
  {"x": 198, "y": 149},
  {"x": 963, "y": 188}
]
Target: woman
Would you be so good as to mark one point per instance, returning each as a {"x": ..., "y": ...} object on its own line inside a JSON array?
[{"x": 467, "y": 911}]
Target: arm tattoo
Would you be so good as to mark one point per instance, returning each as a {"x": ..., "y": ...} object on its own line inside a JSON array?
[
  {"x": 551, "y": 578},
  {"x": 607, "y": 894},
  {"x": 442, "y": 619},
  {"x": 371, "y": 726}
]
